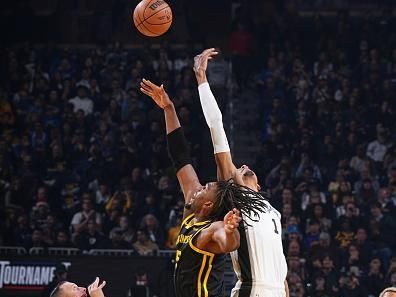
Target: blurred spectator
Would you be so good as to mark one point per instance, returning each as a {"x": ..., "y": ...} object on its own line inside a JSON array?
[
  {"x": 117, "y": 241},
  {"x": 242, "y": 45},
  {"x": 36, "y": 240},
  {"x": 62, "y": 239},
  {"x": 140, "y": 286},
  {"x": 325, "y": 247},
  {"x": 90, "y": 238},
  {"x": 151, "y": 224},
  {"x": 81, "y": 101},
  {"x": 121, "y": 201},
  {"x": 374, "y": 280},
  {"x": 173, "y": 232},
  {"x": 80, "y": 220},
  {"x": 143, "y": 245},
  {"x": 124, "y": 228}
]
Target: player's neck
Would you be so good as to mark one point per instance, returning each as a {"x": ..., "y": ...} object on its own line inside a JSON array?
[
  {"x": 200, "y": 217},
  {"x": 253, "y": 187}
]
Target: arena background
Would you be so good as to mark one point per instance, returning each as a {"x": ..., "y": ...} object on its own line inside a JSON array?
[{"x": 307, "y": 90}]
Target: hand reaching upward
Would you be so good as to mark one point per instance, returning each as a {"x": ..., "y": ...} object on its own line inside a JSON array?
[
  {"x": 231, "y": 220},
  {"x": 95, "y": 290},
  {"x": 201, "y": 60},
  {"x": 157, "y": 93}
]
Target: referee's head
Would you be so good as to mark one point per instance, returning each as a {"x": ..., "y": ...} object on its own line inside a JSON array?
[
  {"x": 388, "y": 292},
  {"x": 68, "y": 289}
]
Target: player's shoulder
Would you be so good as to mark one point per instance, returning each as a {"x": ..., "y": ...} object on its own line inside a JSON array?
[{"x": 271, "y": 209}]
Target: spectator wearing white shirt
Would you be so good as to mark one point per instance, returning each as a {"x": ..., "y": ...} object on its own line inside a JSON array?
[
  {"x": 79, "y": 222},
  {"x": 81, "y": 101},
  {"x": 376, "y": 149}
]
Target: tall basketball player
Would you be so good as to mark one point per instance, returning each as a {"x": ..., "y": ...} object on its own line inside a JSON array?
[
  {"x": 211, "y": 216},
  {"x": 259, "y": 262}
]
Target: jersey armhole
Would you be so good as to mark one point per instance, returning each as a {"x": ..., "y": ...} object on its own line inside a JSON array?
[{"x": 195, "y": 248}]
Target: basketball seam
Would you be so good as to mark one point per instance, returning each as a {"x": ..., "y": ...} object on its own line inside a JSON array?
[
  {"x": 141, "y": 23},
  {"x": 158, "y": 24},
  {"x": 152, "y": 14},
  {"x": 144, "y": 10}
]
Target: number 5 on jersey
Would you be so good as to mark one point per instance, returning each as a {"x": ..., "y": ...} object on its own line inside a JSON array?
[{"x": 178, "y": 253}]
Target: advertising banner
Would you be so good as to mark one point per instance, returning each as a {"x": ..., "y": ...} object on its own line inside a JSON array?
[{"x": 143, "y": 276}]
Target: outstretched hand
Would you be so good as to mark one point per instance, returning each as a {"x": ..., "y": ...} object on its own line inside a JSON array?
[
  {"x": 95, "y": 290},
  {"x": 157, "y": 93},
  {"x": 231, "y": 220},
  {"x": 201, "y": 60}
]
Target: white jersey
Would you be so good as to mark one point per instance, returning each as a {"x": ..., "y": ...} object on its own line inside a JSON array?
[{"x": 259, "y": 262}]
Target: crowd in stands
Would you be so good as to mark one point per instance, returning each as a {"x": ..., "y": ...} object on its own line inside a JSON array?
[{"x": 83, "y": 159}]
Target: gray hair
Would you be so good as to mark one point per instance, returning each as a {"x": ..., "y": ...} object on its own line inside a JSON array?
[{"x": 390, "y": 289}]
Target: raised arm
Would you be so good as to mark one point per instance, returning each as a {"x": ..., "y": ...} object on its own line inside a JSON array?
[
  {"x": 222, "y": 236},
  {"x": 177, "y": 144},
  {"x": 213, "y": 117}
]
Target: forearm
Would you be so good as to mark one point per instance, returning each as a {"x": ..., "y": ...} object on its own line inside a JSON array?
[
  {"x": 214, "y": 118},
  {"x": 200, "y": 75},
  {"x": 171, "y": 119},
  {"x": 81, "y": 226},
  {"x": 226, "y": 241},
  {"x": 287, "y": 289}
]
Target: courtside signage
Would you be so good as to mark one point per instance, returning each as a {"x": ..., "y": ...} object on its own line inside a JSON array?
[{"x": 27, "y": 275}]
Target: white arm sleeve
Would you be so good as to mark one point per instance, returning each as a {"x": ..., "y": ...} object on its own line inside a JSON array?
[{"x": 213, "y": 118}]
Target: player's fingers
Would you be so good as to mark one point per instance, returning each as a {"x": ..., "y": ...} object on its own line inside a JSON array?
[
  {"x": 102, "y": 285},
  {"x": 211, "y": 54},
  {"x": 208, "y": 50},
  {"x": 146, "y": 92},
  {"x": 227, "y": 216},
  {"x": 149, "y": 83},
  {"x": 96, "y": 282},
  {"x": 146, "y": 87}
]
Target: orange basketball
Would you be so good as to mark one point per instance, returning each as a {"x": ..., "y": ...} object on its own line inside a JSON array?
[{"x": 152, "y": 17}]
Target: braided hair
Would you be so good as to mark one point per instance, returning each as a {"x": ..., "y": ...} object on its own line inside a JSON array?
[{"x": 231, "y": 195}]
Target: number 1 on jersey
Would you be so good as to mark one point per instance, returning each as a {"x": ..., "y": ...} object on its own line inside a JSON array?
[{"x": 276, "y": 228}]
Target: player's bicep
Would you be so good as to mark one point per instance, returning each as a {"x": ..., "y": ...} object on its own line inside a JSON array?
[
  {"x": 188, "y": 180},
  {"x": 225, "y": 166},
  {"x": 205, "y": 239}
]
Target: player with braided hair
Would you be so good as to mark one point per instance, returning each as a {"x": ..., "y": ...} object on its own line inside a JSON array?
[
  {"x": 211, "y": 217},
  {"x": 259, "y": 262}
]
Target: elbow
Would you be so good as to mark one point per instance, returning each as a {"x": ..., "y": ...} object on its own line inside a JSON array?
[
  {"x": 236, "y": 246},
  {"x": 231, "y": 247}
]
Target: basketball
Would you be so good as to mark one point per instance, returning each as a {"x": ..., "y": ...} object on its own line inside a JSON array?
[{"x": 152, "y": 17}]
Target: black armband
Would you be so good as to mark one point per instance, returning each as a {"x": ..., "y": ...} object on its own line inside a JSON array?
[{"x": 178, "y": 148}]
